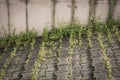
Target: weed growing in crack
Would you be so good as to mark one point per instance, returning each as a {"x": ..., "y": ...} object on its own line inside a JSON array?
[
  {"x": 30, "y": 52},
  {"x": 17, "y": 41},
  {"x": 4, "y": 51},
  {"x": 23, "y": 38},
  {"x": 117, "y": 34},
  {"x": 7, "y": 62},
  {"x": 109, "y": 36},
  {"x": 106, "y": 59},
  {"x": 38, "y": 62},
  {"x": 72, "y": 42},
  {"x": 89, "y": 42},
  {"x": 79, "y": 37},
  {"x": 41, "y": 55},
  {"x": 89, "y": 34}
]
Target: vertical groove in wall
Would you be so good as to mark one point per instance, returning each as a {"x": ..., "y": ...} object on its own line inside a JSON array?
[
  {"x": 92, "y": 10},
  {"x": 53, "y": 12},
  {"x": 73, "y": 11},
  {"x": 8, "y": 13},
  {"x": 26, "y": 3},
  {"x": 112, "y": 5}
]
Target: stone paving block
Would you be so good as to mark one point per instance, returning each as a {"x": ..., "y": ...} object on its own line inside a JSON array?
[
  {"x": 76, "y": 64},
  {"x": 64, "y": 53},
  {"x": 65, "y": 42},
  {"x": 87, "y": 75},
  {"x": 52, "y": 61},
  {"x": 76, "y": 73},
  {"x": 17, "y": 59},
  {"x": 95, "y": 46},
  {"x": 100, "y": 68},
  {"x": 41, "y": 78},
  {"x": 42, "y": 72},
  {"x": 85, "y": 66},
  {"x": 116, "y": 72},
  {"x": 107, "y": 44},
  {"x": 51, "y": 67},
  {"x": 84, "y": 59},
  {"x": 97, "y": 60},
  {"x": 117, "y": 51},
  {"x": 101, "y": 76},
  {"x": 109, "y": 50},
  {"x": 13, "y": 68},
  {"x": 63, "y": 68},
  {"x": 29, "y": 67},
  {"x": 31, "y": 62},
  {"x": 84, "y": 54},
  {"x": 96, "y": 53},
  {"x": 62, "y": 76},
  {"x": 111, "y": 55},
  {"x": 27, "y": 76},
  {"x": 115, "y": 46},
  {"x": 84, "y": 46},
  {"x": 76, "y": 57},
  {"x": 117, "y": 78},
  {"x": 118, "y": 63},
  {"x": 8, "y": 71},
  {"x": 15, "y": 75},
  {"x": 50, "y": 75},
  {"x": 77, "y": 78},
  {"x": 113, "y": 63},
  {"x": 63, "y": 60},
  {"x": 44, "y": 64},
  {"x": 83, "y": 51},
  {"x": 76, "y": 50},
  {"x": 7, "y": 78},
  {"x": 86, "y": 63},
  {"x": 118, "y": 58}
]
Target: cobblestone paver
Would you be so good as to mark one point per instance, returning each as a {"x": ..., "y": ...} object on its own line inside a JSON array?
[{"x": 87, "y": 62}]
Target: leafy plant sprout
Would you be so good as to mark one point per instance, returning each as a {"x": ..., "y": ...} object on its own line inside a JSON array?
[{"x": 106, "y": 59}]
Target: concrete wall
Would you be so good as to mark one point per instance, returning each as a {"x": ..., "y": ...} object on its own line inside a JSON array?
[
  {"x": 102, "y": 10},
  {"x": 117, "y": 11},
  {"x": 63, "y": 11},
  {"x": 3, "y": 16},
  {"x": 29, "y": 14},
  {"x": 82, "y": 11}
]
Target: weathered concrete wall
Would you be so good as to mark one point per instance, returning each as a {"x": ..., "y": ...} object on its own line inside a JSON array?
[
  {"x": 117, "y": 11},
  {"x": 17, "y": 15},
  {"x": 3, "y": 16},
  {"x": 82, "y": 11},
  {"x": 102, "y": 10},
  {"x": 63, "y": 11},
  {"x": 28, "y": 14},
  {"x": 39, "y": 14}
]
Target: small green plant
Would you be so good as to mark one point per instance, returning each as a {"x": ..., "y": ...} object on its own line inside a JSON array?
[
  {"x": 16, "y": 41},
  {"x": 7, "y": 62},
  {"x": 45, "y": 34},
  {"x": 39, "y": 60},
  {"x": 117, "y": 34},
  {"x": 72, "y": 42},
  {"x": 109, "y": 36},
  {"x": 106, "y": 59},
  {"x": 23, "y": 37},
  {"x": 30, "y": 52},
  {"x": 79, "y": 36}
]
